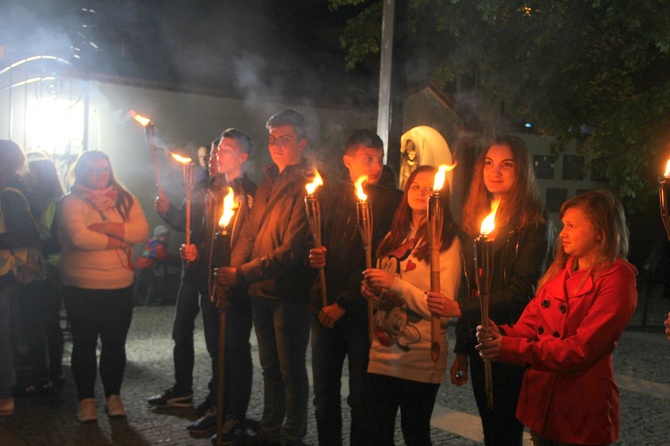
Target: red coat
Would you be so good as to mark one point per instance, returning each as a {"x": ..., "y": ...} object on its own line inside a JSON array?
[{"x": 566, "y": 336}]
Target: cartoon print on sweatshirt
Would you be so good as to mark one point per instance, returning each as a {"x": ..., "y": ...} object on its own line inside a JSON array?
[{"x": 394, "y": 320}]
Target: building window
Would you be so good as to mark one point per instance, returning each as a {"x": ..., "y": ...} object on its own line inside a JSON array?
[
  {"x": 544, "y": 166},
  {"x": 573, "y": 167}
]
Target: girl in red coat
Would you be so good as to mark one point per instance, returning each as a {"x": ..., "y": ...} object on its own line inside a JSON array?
[{"x": 567, "y": 334}]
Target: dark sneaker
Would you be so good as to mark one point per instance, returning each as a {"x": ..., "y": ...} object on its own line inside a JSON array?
[
  {"x": 205, "y": 425},
  {"x": 171, "y": 398},
  {"x": 260, "y": 440},
  {"x": 232, "y": 432},
  {"x": 37, "y": 387},
  {"x": 58, "y": 382},
  {"x": 203, "y": 407}
]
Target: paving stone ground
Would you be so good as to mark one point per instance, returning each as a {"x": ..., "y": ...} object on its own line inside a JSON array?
[{"x": 641, "y": 362}]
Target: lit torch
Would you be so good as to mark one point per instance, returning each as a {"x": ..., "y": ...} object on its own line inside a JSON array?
[
  {"x": 664, "y": 197},
  {"x": 313, "y": 208},
  {"x": 222, "y": 249},
  {"x": 187, "y": 165},
  {"x": 483, "y": 274},
  {"x": 364, "y": 217},
  {"x": 435, "y": 219},
  {"x": 223, "y": 235},
  {"x": 150, "y": 133}
]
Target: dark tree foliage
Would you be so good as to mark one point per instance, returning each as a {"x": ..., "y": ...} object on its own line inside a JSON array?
[{"x": 594, "y": 75}]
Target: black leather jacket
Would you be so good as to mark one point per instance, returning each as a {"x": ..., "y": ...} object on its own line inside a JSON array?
[
  {"x": 270, "y": 255},
  {"x": 206, "y": 208},
  {"x": 520, "y": 258},
  {"x": 345, "y": 259}
]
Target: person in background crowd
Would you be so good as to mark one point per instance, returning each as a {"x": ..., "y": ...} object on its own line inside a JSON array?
[
  {"x": 340, "y": 329},
  {"x": 667, "y": 326},
  {"x": 18, "y": 234},
  {"x": 98, "y": 222},
  {"x": 271, "y": 259},
  {"x": 567, "y": 334},
  {"x": 203, "y": 156},
  {"x": 229, "y": 157},
  {"x": 401, "y": 373},
  {"x": 155, "y": 251},
  {"x": 521, "y": 243},
  {"x": 40, "y": 301},
  {"x": 204, "y": 152}
]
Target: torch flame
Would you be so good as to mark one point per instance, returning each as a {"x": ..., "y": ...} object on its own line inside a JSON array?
[
  {"x": 440, "y": 175},
  {"x": 316, "y": 182},
  {"x": 359, "y": 187},
  {"x": 229, "y": 207},
  {"x": 181, "y": 159},
  {"x": 667, "y": 170},
  {"x": 488, "y": 224},
  {"x": 139, "y": 118}
]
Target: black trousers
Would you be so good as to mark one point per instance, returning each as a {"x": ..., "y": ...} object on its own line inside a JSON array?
[
  {"x": 501, "y": 427},
  {"x": 40, "y": 303},
  {"x": 105, "y": 314},
  {"x": 385, "y": 395}
]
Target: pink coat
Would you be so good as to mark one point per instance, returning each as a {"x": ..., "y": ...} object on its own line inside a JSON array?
[{"x": 566, "y": 336}]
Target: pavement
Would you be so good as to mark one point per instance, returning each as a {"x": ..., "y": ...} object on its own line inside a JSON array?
[{"x": 641, "y": 363}]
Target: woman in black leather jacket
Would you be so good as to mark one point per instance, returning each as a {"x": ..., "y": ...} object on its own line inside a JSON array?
[{"x": 521, "y": 245}]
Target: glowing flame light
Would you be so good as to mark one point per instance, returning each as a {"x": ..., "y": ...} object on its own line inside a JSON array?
[
  {"x": 229, "y": 207},
  {"x": 488, "y": 225},
  {"x": 359, "y": 187},
  {"x": 139, "y": 118},
  {"x": 440, "y": 176},
  {"x": 181, "y": 159},
  {"x": 667, "y": 170},
  {"x": 316, "y": 182}
]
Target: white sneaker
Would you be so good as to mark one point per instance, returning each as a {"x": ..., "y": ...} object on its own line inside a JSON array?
[
  {"x": 86, "y": 412},
  {"x": 114, "y": 407}
]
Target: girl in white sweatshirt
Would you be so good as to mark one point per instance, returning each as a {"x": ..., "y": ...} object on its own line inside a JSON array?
[{"x": 401, "y": 372}]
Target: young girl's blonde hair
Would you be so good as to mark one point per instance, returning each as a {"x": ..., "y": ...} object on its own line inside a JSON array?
[{"x": 606, "y": 214}]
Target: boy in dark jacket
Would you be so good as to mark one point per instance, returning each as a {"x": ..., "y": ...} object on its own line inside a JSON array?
[
  {"x": 269, "y": 259},
  {"x": 226, "y": 167},
  {"x": 340, "y": 329}
]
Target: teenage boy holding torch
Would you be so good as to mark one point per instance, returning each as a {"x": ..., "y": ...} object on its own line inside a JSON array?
[
  {"x": 340, "y": 329},
  {"x": 226, "y": 170},
  {"x": 270, "y": 259}
]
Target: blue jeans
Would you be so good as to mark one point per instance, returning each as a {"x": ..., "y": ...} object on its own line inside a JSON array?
[
  {"x": 330, "y": 346},
  {"x": 282, "y": 330},
  {"x": 7, "y": 375},
  {"x": 145, "y": 286},
  {"x": 39, "y": 304}
]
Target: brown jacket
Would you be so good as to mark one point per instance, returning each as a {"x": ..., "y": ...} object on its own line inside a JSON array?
[{"x": 270, "y": 255}]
